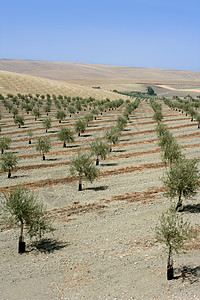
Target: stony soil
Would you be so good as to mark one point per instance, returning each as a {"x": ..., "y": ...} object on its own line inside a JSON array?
[{"x": 104, "y": 245}]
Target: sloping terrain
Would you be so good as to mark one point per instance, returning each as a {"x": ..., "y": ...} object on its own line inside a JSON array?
[
  {"x": 109, "y": 77},
  {"x": 104, "y": 244},
  {"x": 19, "y": 83}
]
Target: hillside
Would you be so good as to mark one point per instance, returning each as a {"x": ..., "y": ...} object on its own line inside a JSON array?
[
  {"x": 165, "y": 82},
  {"x": 14, "y": 83}
]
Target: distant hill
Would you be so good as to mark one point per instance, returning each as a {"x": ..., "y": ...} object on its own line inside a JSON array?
[
  {"x": 165, "y": 82},
  {"x": 14, "y": 83}
]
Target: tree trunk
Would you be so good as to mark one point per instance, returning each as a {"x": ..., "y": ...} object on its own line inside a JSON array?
[
  {"x": 46, "y": 130},
  {"x": 79, "y": 134},
  {"x": 80, "y": 185},
  {"x": 29, "y": 141},
  {"x": 43, "y": 157},
  {"x": 22, "y": 245},
  {"x": 170, "y": 270},
  {"x": 2, "y": 151},
  {"x": 9, "y": 173},
  {"x": 19, "y": 126},
  {"x": 97, "y": 161},
  {"x": 179, "y": 204},
  {"x": 47, "y": 114},
  {"x": 64, "y": 145},
  {"x": 59, "y": 121},
  {"x": 198, "y": 125}
]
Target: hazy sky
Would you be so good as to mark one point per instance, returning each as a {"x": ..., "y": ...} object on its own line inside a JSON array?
[{"x": 139, "y": 33}]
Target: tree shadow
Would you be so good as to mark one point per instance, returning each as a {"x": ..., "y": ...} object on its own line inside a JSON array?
[
  {"x": 188, "y": 273},
  {"x": 86, "y": 135},
  {"x": 119, "y": 150},
  {"x": 98, "y": 188},
  {"x": 192, "y": 208},
  {"x": 108, "y": 164},
  {"x": 72, "y": 146},
  {"x": 124, "y": 140},
  {"x": 18, "y": 176},
  {"x": 52, "y": 159},
  {"x": 48, "y": 245},
  {"x": 125, "y": 129},
  {"x": 53, "y": 131}
]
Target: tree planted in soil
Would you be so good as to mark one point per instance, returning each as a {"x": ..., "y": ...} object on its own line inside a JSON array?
[
  {"x": 4, "y": 143},
  {"x": 19, "y": 120},
  {"x": 121, "y": 122},
  {"x": 65, "y": 135},
  {"x": 174, "y": 232},
  {"x": 80, "y": 126},
  {"x": 36, "y": 113},
  {"x": 8, "y": 163},
  {"x": 47, "y": 123},
  {"x": 181, "y": 180},
  {"x": 112, "y": 136},
  {"x": 60, "y": 115},
  {"x": 43, "y": 146},
  {"x": 100, "y": 149},
  {"x": 20, "y": 209},
  {"x": 88, "y": 118},
  {"x": 83, "y": 166},
  {"x": 30, "y": 135}
]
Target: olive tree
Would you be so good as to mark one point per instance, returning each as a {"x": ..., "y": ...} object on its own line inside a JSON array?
[
  {"x": 181, "y": 180},
  {"x": 47, "y": 123},
  {"x": 43, "y": 145},
  {"x": 83, "y": 166},
  {"x": 112, "y": 136},
  {"x": 30, "y": 135},
  {"x": 21, "y": 209},
  {"x": 121, "y": 122},
  {"x": 19, "y": 120},
  {"x": 99, "y": 149},
  {"x": 66, "y": 135},
  {"x": 80, "y": 126},
  {"x": 36, "y": 113},
  {"x": 60, "y": 115},
  {"x": 174, "y": 232},
  {"x": 8, "y": 163},
  {"x": 4, "y": 143}
]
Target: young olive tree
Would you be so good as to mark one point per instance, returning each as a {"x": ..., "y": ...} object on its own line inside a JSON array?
[
  {"x": 181, "y": 180},
  {"x": 80, "y": 126},
  {"x": 174, "y": 232},
  {"x": 60, "y": 115},
  {"x": 36, "y": 113},
  {"x": 19, "y": 120},
  {"x": 83, "y": 166},
  {"x": 112, "y": 136},
  {"x": 8, "y": 163},
  {"x": 65, "y": 135},
  {"x": 121, "y": 122},
  {"x": 4, "y": 143},
  {"x": 47, "y": 123},
  {"x": 99, "y": 149},
  {"x": 43, "y": 145},
  {"x": 20, "y": 209}
]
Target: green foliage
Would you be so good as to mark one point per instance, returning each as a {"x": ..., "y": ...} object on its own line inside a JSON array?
[
  {"x": 83, "y": 166},
  {"x": 14, "y": 111},
  {"x": 88, "y": 118},
  {"x": 36, "y": 113},
  {"x": 4, "y": 143},
  {"x": 43, "y": 145},
  {"x": 8, "y": 163},
  {"x": 112, "y": 135},
  {"x": 121, "y": 122},
  {"x": 182, "y": 179},
  {"x": 60, "y": 115},
  {"x": 158, "y": 116},
  {"x": 80, "y": 126},
  {"x": 174, "y": 232},
  {"x": 47, "y": 123},
  {"x": 100, "y": 149},
  {"x": 66, "y": 134},
  {"x": 150, "y": 91},
  {"x": 19, "y": 120},
  {"x": 21, "y": 209}
]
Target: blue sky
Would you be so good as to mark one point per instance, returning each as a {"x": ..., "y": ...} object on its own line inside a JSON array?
[{"x": 161, "y": 34}]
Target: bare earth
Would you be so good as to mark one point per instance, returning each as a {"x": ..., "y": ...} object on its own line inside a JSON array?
[{"x": 104, "y": 244}]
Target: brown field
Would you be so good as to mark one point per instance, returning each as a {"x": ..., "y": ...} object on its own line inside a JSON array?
[
  {"x": 104, "y": 244},
  {"x": 78, "y": 79}
]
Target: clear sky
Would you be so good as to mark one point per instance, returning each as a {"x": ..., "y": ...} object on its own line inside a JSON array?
[{"x": 139, "y": 33}]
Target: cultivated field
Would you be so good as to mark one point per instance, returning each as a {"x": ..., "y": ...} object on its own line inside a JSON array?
[{"x": 104, "y": 245}]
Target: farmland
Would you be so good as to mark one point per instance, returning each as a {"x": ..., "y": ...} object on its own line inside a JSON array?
[{"x": 104, "y": 245}]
